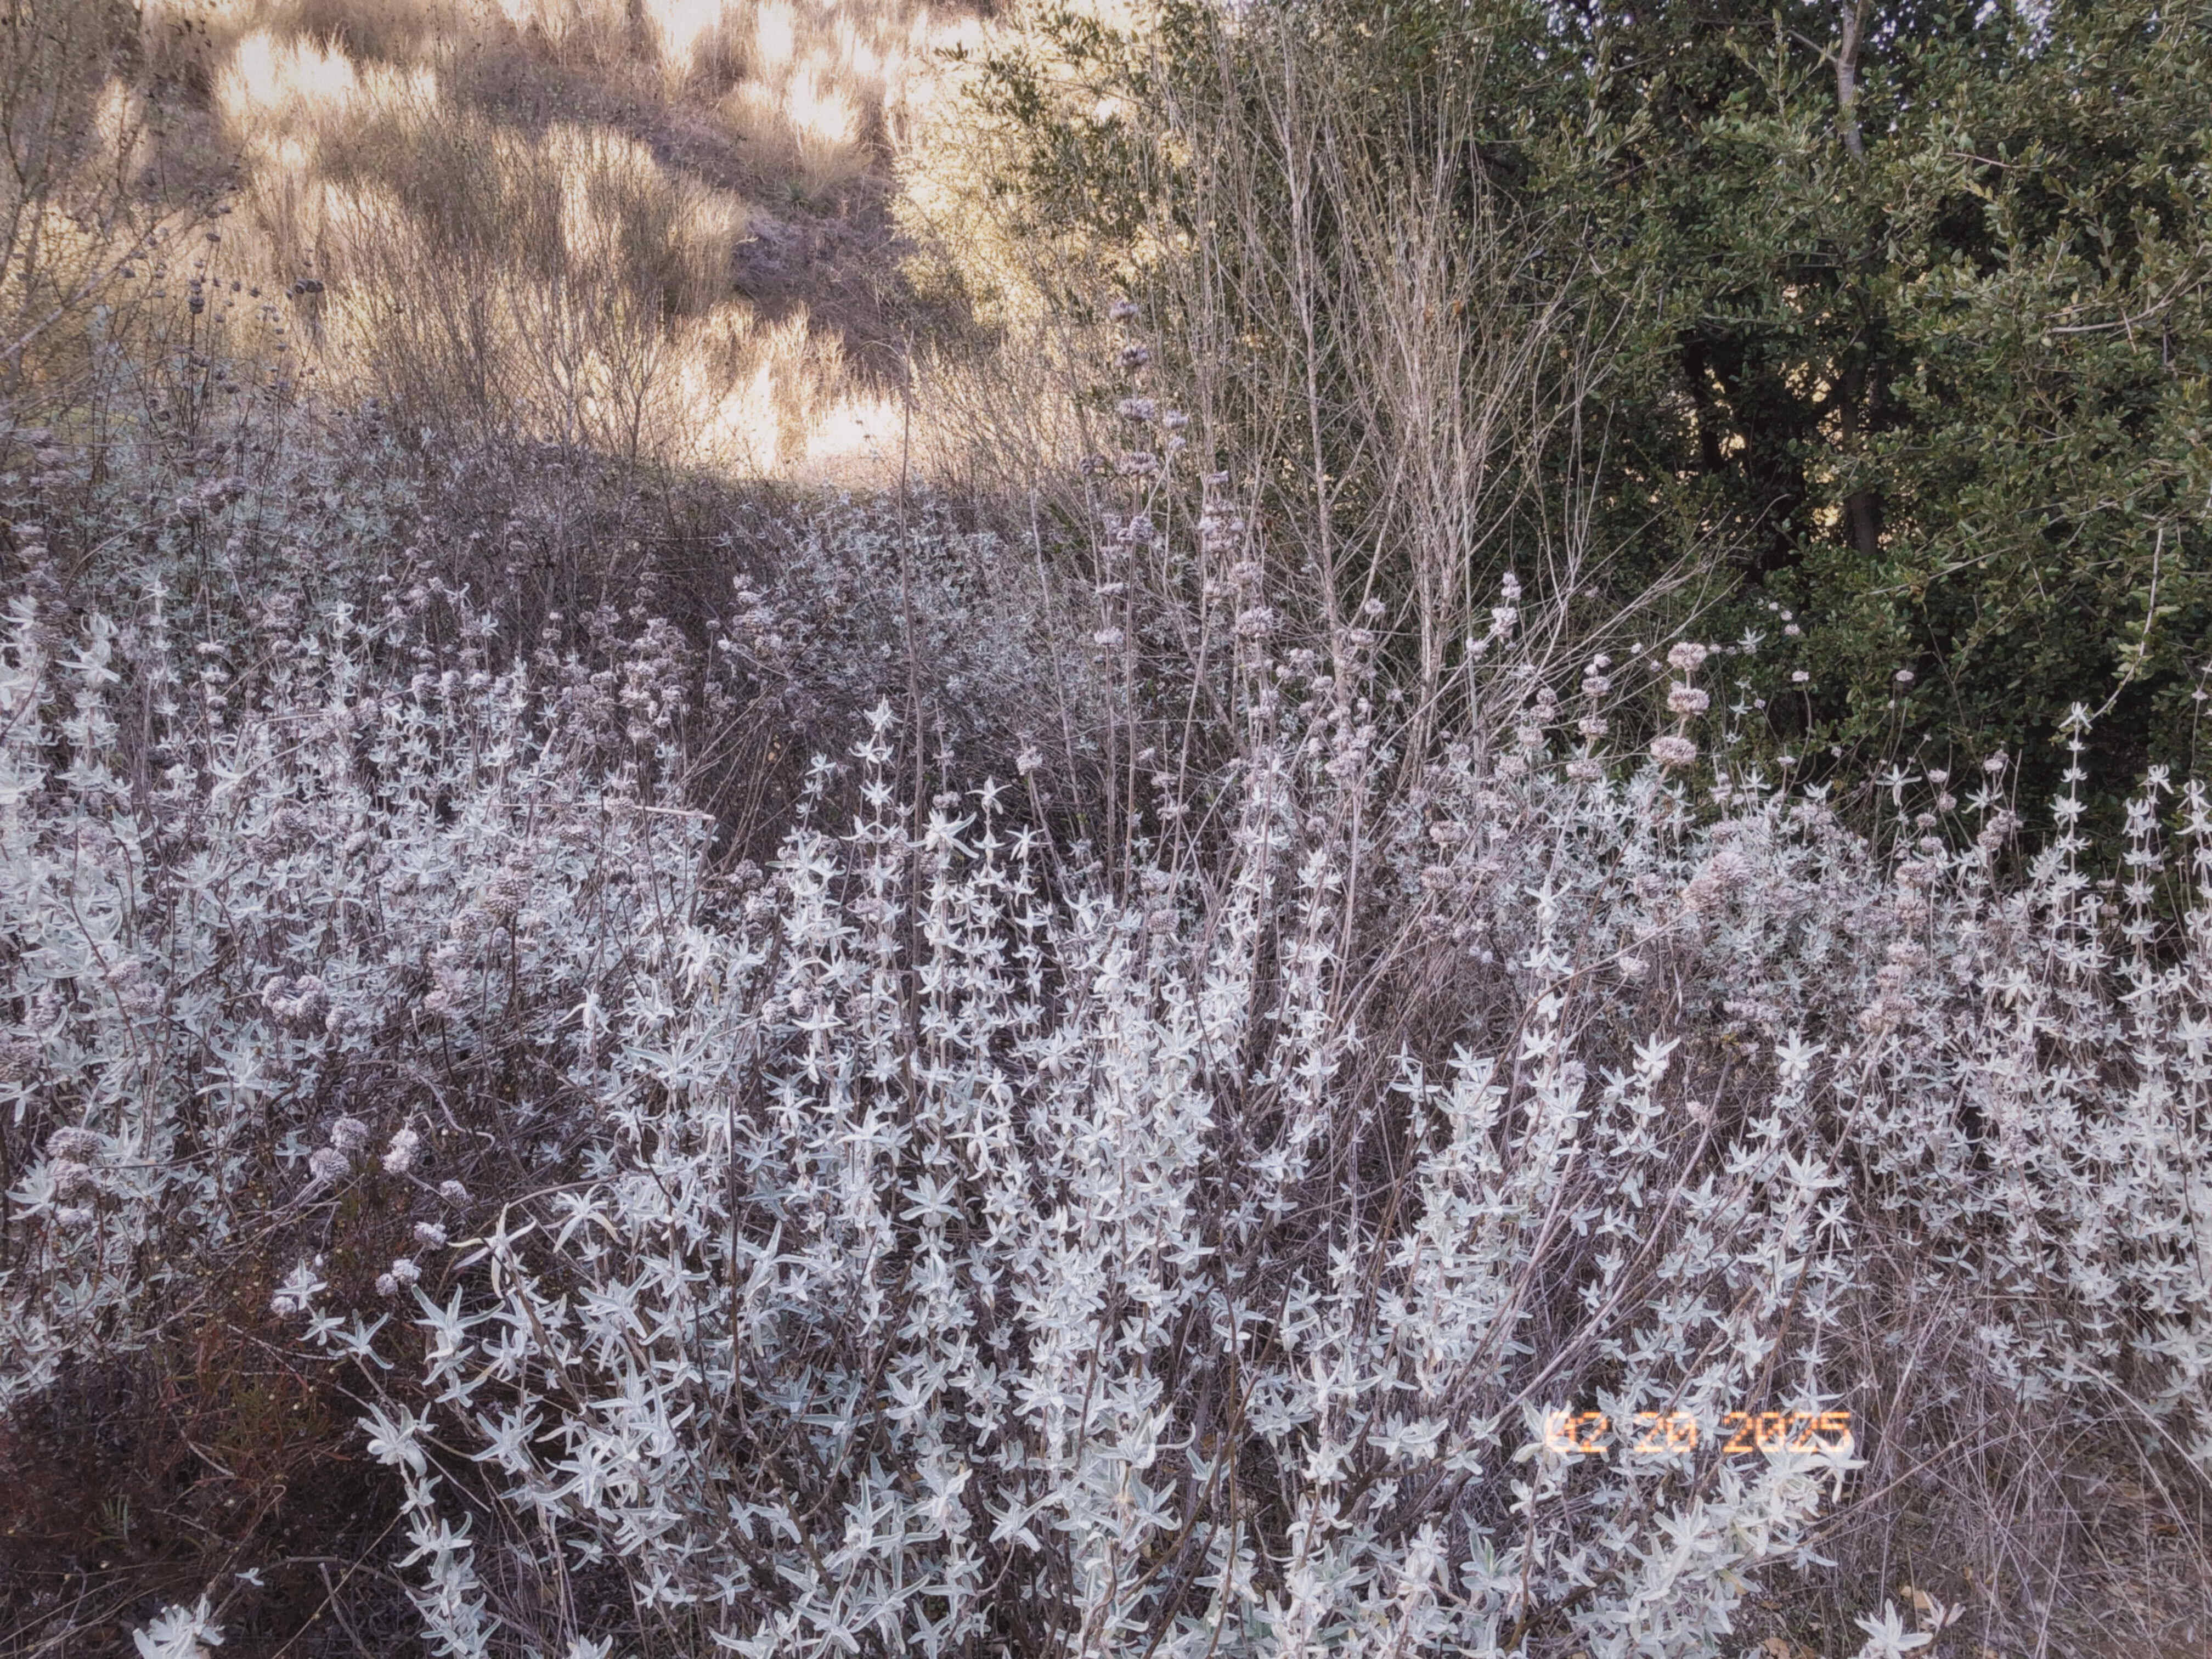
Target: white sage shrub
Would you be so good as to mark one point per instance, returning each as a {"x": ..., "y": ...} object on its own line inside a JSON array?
[
  {"x": 252, "y": 921},
  {"x": 851, "y": 602},
  {"x": 998, "y": 1287},
  {"x": 947, "y": 1242}
]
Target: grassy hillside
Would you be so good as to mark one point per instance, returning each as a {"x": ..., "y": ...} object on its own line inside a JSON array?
[{"x": 659, "y": 230}]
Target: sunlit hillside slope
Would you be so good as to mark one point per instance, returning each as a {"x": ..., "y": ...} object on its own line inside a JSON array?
[{"x": 654, "y": 229}]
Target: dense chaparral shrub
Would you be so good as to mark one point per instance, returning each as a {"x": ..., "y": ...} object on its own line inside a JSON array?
[
  {"x": 1763, "y": 288},
  {"x": 951, "y": 1240}
]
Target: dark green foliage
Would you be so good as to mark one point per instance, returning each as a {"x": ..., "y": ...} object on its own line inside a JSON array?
[
  {"x": 1946, "y": 399},
  {"x": 1928, "y": 370}
]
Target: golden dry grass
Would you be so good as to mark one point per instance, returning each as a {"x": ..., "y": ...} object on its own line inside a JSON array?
[{"x": 657, "y": 230}]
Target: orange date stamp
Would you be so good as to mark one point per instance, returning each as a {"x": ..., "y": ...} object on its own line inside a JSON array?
[{"x": 1677, "y": 1434}]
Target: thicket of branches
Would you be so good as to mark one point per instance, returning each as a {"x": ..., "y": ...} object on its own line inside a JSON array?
[{"x": 1891, "y": 314}]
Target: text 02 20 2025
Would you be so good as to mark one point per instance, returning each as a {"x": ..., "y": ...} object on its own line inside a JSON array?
[{"x": 1677, "y": 1434}]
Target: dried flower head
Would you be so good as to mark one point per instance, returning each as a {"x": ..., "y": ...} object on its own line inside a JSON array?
[
  {"x": 71, "y": 1178},
  {"x": 78, "y": 1144},
  {"x": 1218, "y": 532},
  {"x": 399, "y": 1156},
  {"x": 1256, "y": 623},
  {"x": 300, "y": 1003},
  {"x": 19, "y": 1058}
]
